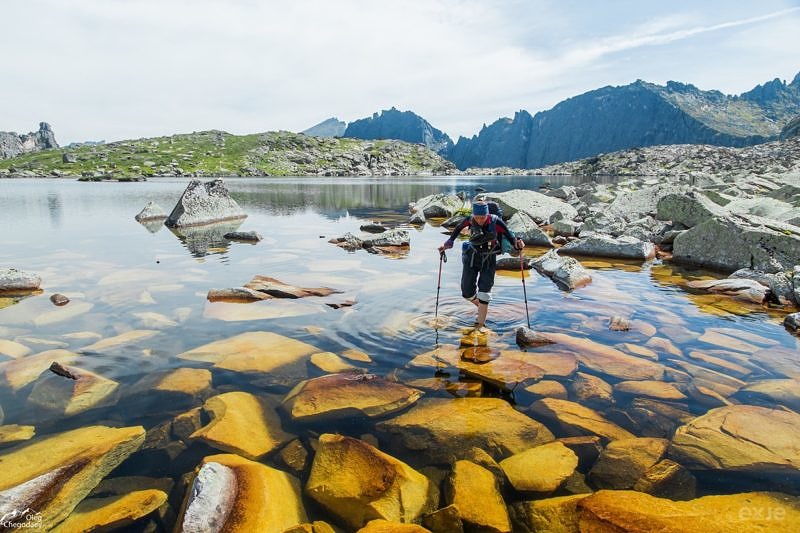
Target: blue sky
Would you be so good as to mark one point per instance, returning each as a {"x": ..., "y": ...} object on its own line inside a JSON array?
[{"x": 117, "y": 69}]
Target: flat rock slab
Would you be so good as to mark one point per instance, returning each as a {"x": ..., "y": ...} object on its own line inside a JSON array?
[
  {"x": 473, "y": 491},
  {"x": 113, "y": 511},
  {"x": 606, "y": 246},
  {"x": 441, "y": 429},
  {"x": 264, "y": 288},
  {"x": 242, "y": 423},
  {"x": 749, "y": 438},
  {"x": 178, "y": 387},
  {"x": 356, "y": 482},
  {"x": 231, "y": 493},
  {"x": 204, "y": 203},
  {"x": 574, "y": 420},
  {"x": 607, "y": 360},
  {"x": 78, "y": 391},
  {"x": 18, "y": 373},
  {"x": 347, "y": 395},
  {"x": 53, "y": 474},
  {"x": 741, "y": 289},
  {"x": 613, "y": 510},
  {"x": 118, "y": 341},
  {"x": 650, "y": 389},
  {"x": 540, "y": 469},
  {"x": 773, "y": 391}
]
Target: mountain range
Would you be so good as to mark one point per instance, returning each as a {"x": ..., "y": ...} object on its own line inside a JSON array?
[
  {"x": 604, "y": 120},
  {"x": 13, "y": 144}
]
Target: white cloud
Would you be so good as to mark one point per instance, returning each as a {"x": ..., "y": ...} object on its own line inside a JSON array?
[{"x": 127, "y": 68}]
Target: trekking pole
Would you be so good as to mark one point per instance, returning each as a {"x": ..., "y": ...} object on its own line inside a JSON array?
[
  {"x": 524, "y": 290},
  {"x": 442, "y": 259}
]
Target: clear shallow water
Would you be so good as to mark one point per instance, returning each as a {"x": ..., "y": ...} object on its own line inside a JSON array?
[{"x": 82, "y": 239}]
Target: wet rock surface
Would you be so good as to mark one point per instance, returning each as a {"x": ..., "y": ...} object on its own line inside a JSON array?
[{"x": 204, "y": 203}]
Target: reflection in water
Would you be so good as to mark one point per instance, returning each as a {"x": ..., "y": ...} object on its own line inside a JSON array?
[
  {"x": 55, "y": 208},
  {"x": 153, "y": 226},
  {"x": 206, "y": 240}
]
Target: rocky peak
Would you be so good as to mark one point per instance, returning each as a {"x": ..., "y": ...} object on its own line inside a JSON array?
[
  {"x": 13, "y": 144},
  {"x": 400, "y": 125},
  {"x": 332, "y": 127}
]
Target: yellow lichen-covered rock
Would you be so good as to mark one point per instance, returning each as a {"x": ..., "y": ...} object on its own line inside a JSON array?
[
  {"x": 69, "y": 395},
  {"x": 548, "y": 388},
  {"x": 95, "y": 514},
  {"x": 650, "y": 389},
  {"x": 607, "y": 360},
  {"x": 554, "y": 515},
  {"x": 624, "y": 461},
  {"x": 442, "y": 429},
  {"x": 51, "y": 475},
  {"x": 540, "y": 469},
  {"x": 279, "y": 359},
  {"x": 242, "y": 423},
  {"x": 111, "y": 343},
  {"x": 347, "y": 395},
  {"x": 613, "y": 511},
  {"x": 358, "y": 483},
  {"x": 317, "y": 526},
  {"x": 332, "y": 363},
  {"x": 20, "y": 372},
  {"x": 178, "y": 387},
  {"x": 232, "y": 494},
  {"x": 667, "y": 479},
  {"x": 384, "y": 526},
  {"x": 13, "y": 433},
  {"x": 759, "y": 440},
  {"x": 574, "y": 419},
  {"x": 475, "y": 493}
]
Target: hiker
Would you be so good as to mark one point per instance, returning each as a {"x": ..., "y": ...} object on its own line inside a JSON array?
[{"x": 479, "y": 255}]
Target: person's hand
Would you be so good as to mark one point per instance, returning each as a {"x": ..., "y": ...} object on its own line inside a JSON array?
[
  {"x": 519, "y": 244},
  {"x": 446, "y": 246}
]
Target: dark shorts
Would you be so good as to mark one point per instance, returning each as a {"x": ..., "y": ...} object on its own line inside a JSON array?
[{"x": 477, "y": 275}]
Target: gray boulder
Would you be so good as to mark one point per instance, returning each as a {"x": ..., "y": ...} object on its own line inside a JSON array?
[
  {"x": 565, "y": 228},
  {"x": 796, "y": 284},
  {"x": 766, "y": 208},
  {"x": 792, "y": 322},
  {"x": 742, "y": 289},
  {"x": 607, "y": 246},
  {"x": 780, "y": 283},
  {"x": 566, "y": 272},
  {"x": 437, "y": 205},
  {"x": 733, "y": 242},
  {"x": 394, "y": 237},
  {"x": 151, "y": 212},
  {"x": 635, "y": 204},
  {"x": 524, "y": 227},
  {"x": 204, "y": 203},
  {"x": 16, "y": 281},
  {"x": 539, "y": 206},
  {"x": 689, "y": 209}
]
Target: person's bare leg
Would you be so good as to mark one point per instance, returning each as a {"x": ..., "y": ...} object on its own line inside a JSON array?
[
  {"x": 475, "y": 302},
  {"x": 483, "y": 310}
]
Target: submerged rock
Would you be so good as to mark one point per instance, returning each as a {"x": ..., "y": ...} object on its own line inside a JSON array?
[
  {"x": 475, "y": 494},
  {"x": 613, "y": 510},
  {"x": 242, "y": 423},
  {"x": 18, "y": 373},
  {"x": 357, "y": 482},
  {"x": 667, "y": 479},
  {"x": 204, "y": 203},
  {"x": 69, "y": 390},
  {"x": 440, "y": 429},
  {"x": 230, "y": 493},
  {"x": 112, "y": 512},
  {"x": 624, "y": 461},
  {"x": 13, "y": 281},
  {"x": 13, "y": 433},
  {"x": 151, "y": 212},
  {"x": 347, "y": 395},
  {"x": 758, "y": 440},
  {"x": 178, "y": 388},
  {"x": 51, "y": 475},
  {"x": 558, "y": 514},
  {"x": 540, "y": 469},
  {"x": 566, "y": 272},
  {"x": 573, "y": 419},
  {"x": 741, "y": 289}
]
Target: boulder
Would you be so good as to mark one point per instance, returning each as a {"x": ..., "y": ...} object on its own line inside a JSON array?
[
  {"x": 444, "y": 520},
  {"x": 53, "y": 474},
  {"x": 573, "y": 419},
  {"x": 357, "y": 483},
  {"x": 525, "y": 228},
  {"x": 242, "y": 423},
  {"x": 741, "y": 289},
  {"x": 634, "y": 204},
  {"x": 659, "y": 390},
  {"x": 607, "y": 360},
  {"x": 592, "y": 391},
  {"x": 475, "y": 493},
  {"x": 389, "y": 241},
  {"x": 112, "y": 512},
  {"x": 539, "y": 206},
  {"x": 347, "y": 395},
  {"x": 780, "y": 284},
  {"x": 757, "y": 440},
  {"x": 13, "y": 282},
  {"x": 792, "y": 322},
  {"x": 277, "y": 289},
  {"x": 540, "y": 469},
  {"x": 331, "y": 363},
  {"x": 204, "y": 203},
  {"x": 68, "y": 390},
  {"x": 557, "y": 515},
  {"x": 548, "y": 389},
  {"x": 600, "y": 245},
  {"x": 566, "y": 272},
  {"x": 230, "y": 493},
  {"x": 151, "y": 212},
  {"x": 527, "y": 338},
  {"x": 624, "y": 461},
  {"x": 615, "y": 511},
  {"x": 667, "y": 479},
  {"x": 178, "y": 388},
  {"x": 565, "y": 228},
  {"x": 244, "y": 236},
  {"x": 437, "y": 205},
  {"x": 689, "y": 209},
  {"x": 439, "y": 429},
  {"x": 734, "y": 242}
]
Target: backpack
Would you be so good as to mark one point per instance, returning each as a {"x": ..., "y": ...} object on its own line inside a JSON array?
[
  {"x": 494, "y": 208},
  {"x": 480, "y": 236}
]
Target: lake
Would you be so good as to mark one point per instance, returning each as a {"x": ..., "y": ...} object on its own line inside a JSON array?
[{"x": 122, "y": 276}]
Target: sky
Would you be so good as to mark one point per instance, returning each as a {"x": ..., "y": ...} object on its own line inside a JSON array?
[{"x": 121, "y": 69}]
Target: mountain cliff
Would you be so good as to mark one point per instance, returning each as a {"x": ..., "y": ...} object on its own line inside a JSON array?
[
  {"x": 636, "y": 115},
  {"x": 13, "y": 144},
  {"x": 400, "y": 125},
  {"x": 332, "y": 127}
]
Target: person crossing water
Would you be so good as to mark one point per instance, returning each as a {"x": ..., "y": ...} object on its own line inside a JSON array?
[{"x": 479, "y": 256}]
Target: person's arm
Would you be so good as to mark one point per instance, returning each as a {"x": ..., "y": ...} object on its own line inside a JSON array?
[
  {"x": 516, "y": 242},
  {"x": 454, "y": 234}
]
